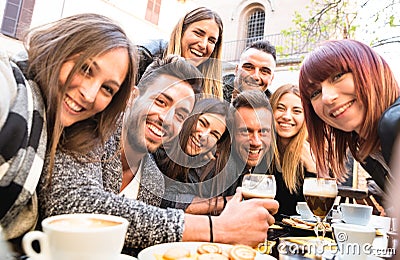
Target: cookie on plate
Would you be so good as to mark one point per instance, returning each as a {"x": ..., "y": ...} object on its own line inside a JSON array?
[
  {"x": 209, "y": 248},
  {"x": 176, "y": 253},
  {"x": 242, "y": 252}
]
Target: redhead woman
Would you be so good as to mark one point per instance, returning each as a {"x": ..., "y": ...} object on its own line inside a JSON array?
[{"x": 351, "y": 101}]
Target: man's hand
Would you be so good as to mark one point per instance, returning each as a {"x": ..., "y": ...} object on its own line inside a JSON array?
[{"x": 245, "y": 222}]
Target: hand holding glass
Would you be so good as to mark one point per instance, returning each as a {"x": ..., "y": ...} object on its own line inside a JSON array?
[{"x": 261, "y": 186}]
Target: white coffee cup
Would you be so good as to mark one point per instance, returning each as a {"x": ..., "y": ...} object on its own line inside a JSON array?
[
  {"x": 354, "y": 242},
  {"x": 355, "y": 213},
  {"x": 303, "y": 210},
  {"x": 77, "y": 237}
]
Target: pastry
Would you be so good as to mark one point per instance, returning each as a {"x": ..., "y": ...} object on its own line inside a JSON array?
[
  {"x": 209, "y": 248},
  {"x": 176, "y": 253},
  {"x": 242, "y": 252}
]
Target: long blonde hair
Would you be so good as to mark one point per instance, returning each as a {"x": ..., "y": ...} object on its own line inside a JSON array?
[
  {"x": 290, "y": 159},
  {"x": 212, "y": 67}
]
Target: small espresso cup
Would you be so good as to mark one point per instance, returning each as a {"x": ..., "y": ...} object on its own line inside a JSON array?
[
  {"x": 303, "y": 210},
  {"x": 354, "y": 242},
  {"x": 355, "y": 213},
  {"x": 78, "y": 236}
]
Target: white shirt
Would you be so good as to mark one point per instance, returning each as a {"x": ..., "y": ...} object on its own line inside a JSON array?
[{"x": 132, "y": 189}]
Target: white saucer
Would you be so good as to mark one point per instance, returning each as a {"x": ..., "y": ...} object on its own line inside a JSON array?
[{"x": 126, "y": 257}]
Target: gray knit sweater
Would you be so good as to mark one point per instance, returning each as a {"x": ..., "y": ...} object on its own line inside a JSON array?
[{"x": 81, "y": 185}]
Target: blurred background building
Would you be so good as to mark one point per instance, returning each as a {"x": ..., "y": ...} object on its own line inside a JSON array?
[{"x": 244, "y": 21}]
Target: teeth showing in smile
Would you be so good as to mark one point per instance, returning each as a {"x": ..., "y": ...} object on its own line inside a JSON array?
[
  {"x": 285, "y": 125},
  {"x": 155, "y": 130},
  {"x": 196, "y": 52},
  {"x": 256, "y": 151},
  {"x": 342, "y": 109},
  {"x": 72, "y": 105},
  {"x": 194, "y": 140}
]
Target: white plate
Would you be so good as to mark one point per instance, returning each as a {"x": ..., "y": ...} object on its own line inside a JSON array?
[
  {"x": 148, "y": 253},
  {"x": 126, "y": 257},
  {"x": 121, "y": 257}
]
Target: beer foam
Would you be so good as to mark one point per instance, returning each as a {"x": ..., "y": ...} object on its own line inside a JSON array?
[{"x": 328, "y": 193}]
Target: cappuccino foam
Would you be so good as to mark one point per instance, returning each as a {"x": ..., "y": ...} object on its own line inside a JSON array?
[{"x": 83, "y": 223}]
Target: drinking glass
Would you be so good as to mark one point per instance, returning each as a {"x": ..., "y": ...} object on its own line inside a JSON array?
[
  {"x": 320, "y": 195},
  {"x": 256, "y": 185},
  {"x": 259, "y": 186}
]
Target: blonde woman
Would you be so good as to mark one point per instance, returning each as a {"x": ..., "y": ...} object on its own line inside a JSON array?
[
  {"x": 198, "y": 37},
  {"x": 293, "y": 160}
]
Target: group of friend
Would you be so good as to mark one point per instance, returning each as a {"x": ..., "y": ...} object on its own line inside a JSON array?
[{"x": 82, "y": 132}]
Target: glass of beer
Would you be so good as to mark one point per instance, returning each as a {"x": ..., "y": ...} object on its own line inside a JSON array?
[
  {"x": 256, "y": 185},
  {"x": 320, "y": 195},
  {"x": 262, "y": 186}
]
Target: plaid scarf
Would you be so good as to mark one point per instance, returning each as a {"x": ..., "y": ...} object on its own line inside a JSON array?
[{"x": 23, "y": 140}]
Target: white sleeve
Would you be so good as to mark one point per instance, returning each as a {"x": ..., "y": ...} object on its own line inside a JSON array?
[{"x": 8, "y": 87}]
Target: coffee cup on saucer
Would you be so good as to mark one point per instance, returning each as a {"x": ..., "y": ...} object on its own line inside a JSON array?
[
  {"x": 78, "y": 236},
  {"x": 303, "y": 210},
  {"x": 354, "y": 242},
  {"x": 355, "y": 213}
]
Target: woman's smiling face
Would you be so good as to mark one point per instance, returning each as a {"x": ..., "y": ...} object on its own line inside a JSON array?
[
  {"x": 288, "y": 115},
  {"x": 336, "y": 103},
  {"x": 207, "y": 132},
  {"x": 93, "y": 87},
  {"x": 199, "y": 40}
]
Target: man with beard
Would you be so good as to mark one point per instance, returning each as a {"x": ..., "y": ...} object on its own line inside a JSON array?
[
  {"x": 255, "y": 70},
  {"x": 165, "y": 97},
  {"x": 253, "y": 137},
  {"x": 155, "y": 116},
  {"x": 252, "y": 147},
  {"x": 90, "y": 182}
]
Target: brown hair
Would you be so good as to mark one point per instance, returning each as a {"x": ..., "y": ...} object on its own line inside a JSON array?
[
  {"x": 49, "y": 47},
  {"x": 180, "y": 171}
]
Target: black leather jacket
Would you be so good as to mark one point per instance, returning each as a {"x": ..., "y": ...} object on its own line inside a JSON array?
[
  {"x": 388, "y": 130},
  {"x": 148, "y": 51}
]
